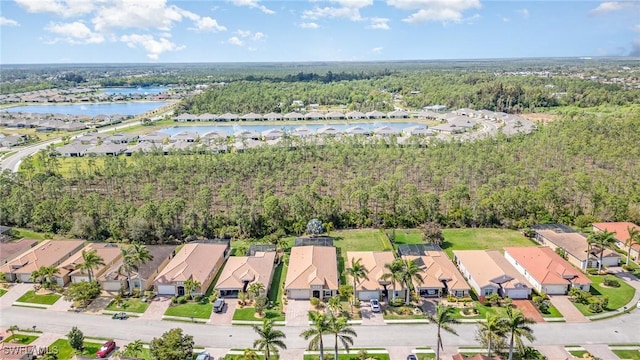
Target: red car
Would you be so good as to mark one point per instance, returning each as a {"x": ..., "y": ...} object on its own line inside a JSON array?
[{"x": 106, "y": 348}]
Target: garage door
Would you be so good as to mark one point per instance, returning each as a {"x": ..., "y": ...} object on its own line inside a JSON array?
[
  {"x": 111, "y": 285},
  {"x": 301, "y": 294},
  {"x": 166, "y": 290},
  {"x": 368, "y": 295},
  {"x": 518, "y": 293}
]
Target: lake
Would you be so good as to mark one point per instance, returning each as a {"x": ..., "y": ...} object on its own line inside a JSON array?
[
  {"x": 121, "y": 108},
  {"x": 135, "y": 90},
  {"x": 232, "y": 128}
]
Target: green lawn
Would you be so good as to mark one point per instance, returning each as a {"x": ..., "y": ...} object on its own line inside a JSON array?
[
  {"x": 468, "y": 239},
  {"x": 627, "y": 354},
  {"x": 635, "y": 268},
  {"x": 21, "y": 339},
  {"x": 423, "y": 356},
  {"x": 191, "y": 310},
  {"x": 618, "y": 297},
  {"x": 357, "y": 240},
  {"x": 65, "y": 352},
  {"x": 552, "y": 312},
  {"x": 578, "y": 353},
  {"x": 131, "y": 305},
  {"x": 277, "y": 283},
  {"x": 248, "y": 314},
  {"x": 2, "y": 292},
  {"x": 353, "y": 353},
  {"x": 29, "y": 234},
  {"x": 31, "y": 297}
]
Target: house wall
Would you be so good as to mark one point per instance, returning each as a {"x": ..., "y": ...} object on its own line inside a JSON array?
[
  {"x": 365, "y": 295},
  {"x": 518, "y": 293},
  {"x": 555, "y": 289},
  {"x": 167, "y": 290},
  {"x": 610, "y": 261},
  {"x": 112, "y": 285},
  {"x": 582, "y": 265},
  {"x": 299, "y": 294}
]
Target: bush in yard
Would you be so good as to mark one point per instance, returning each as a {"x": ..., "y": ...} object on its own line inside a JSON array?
[
  {"x": 315, "y": 302},
  {"x": 396, "y": 302},
  {"x": 541, "y": 303},
  {"x": 260, "y": 303},
  {"x": 611, "y": 281},
  {"x": 627, "y": 267},
  {"x": 183, "y": 299},
  {"x": 482, "y": 300},
  {"x": 578, "y": 296},
  {"x": 592, "y": 271},
  {"x": 598, "y": 305},
  {"x": 174, "y": 300},
  {"x": 76, "y": 339},
  {"x": 494, "y": 299}
]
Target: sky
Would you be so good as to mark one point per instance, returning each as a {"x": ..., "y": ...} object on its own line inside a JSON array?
[{"x": 140, "y": 31}]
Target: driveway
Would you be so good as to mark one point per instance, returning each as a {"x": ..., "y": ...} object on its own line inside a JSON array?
[
  {"x": 399, "y": 352},
  {"x": 61, "y": 305},
  {"x": 98, "y": 305},
  {"x": 297, "y": 312},
  {"x": 14, "y": 293},
  {"x": 529, "y": 310},
  {"x": 157, "y": 308},
  {"x": 601, "y": 351},
  {"x": 369, "y": 317},
  {"x": 554, "y": 352},
  {"x": 226, "y": 316},
  {"x": 565, "y": 306}
]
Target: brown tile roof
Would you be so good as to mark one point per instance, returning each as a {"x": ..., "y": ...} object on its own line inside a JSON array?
[
  {"x": 159, "y": 252},
  {"x": 107, "y": 251},
  {"x": 575, "y": 243},
  {"x": 489, "y": 267},
  {"x": 620, "y": 228},
  {"x": 238, "y": 269},
  {"x": 547, "y": 267},
  {"x": 195, "y": 261},
  {"x": 437, "y": 267},
  {"x": 9, "y": 250},
  {"x": 374, "y": 262},
  {"x": 47, "y": 253},
  {"x": 312, "y": 265}
]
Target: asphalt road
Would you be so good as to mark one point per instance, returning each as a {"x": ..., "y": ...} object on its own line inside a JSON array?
[{"x": 621, "y": 329}]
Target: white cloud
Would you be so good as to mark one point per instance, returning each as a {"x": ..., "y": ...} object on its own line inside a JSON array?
[
  {"x": 234, "y": 40},
  {"x": 309, "y": 25},
  {"x": 636, "y": 28},
  {"x": 350, "y": 13},
  {"x": 153, "y": 47},
  {"x": 8, "y": 22},
  {"x": 379, "y": 23},
  {"x": 523, "y": 12},
  {"x": 258, "y": 36},
  {"x": 610, "y": 6},
  {"x": 377, "y": 50},
  {"x": 150, "y": 14},
  {"x": 207, "y": 24},
  {"x": 247, "y": 34},
  {"x": 65, "y": 8},
  {"x": 353, "y": 3},
  {"x": 243, "y": 33},
  {"x": 506, "y": 19},
  {"x": 435, "y": 10},
  {"x": 74, "y": 33},
  {"x": 253, "y": 4}
]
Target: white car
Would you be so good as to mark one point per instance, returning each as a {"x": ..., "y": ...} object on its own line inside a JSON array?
[{"x": 375, "y": 305}]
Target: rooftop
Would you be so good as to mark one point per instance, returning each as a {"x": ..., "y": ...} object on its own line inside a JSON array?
[
  {"x": 488, "y": 267},
  {"x": 194, "y": 261},
  {"x": 544, "y": 265},
  {"x": 312, "y": 265},
  {"x": 47, "y": 253}
]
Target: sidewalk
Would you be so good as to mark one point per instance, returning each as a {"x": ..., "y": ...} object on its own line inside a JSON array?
[{"x": 14, "y": 293}]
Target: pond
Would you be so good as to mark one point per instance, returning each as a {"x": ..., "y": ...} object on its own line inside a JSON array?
[
  {"x": 120, "y": 108},
  {"x": 342, "y": 126},
  {"x": 135, "y": 90}
]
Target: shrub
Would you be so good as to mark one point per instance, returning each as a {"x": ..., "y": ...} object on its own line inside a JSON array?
[
  {"x": 592, "y": 271},
  {"x": 598, "y": 305},
  {"x": 197, "y": 298},
  {"x": 315, "y": 302},
  {"x": 174, "y": 300},
  {"x": 483, "y": 300},
  {"x": 451, "y": 298},
  {"x": 396, "y": 302},
  {"x": 611, "y": 281},
  {"x": 579, "y": 296},
  {"x": 627, "y": 267},
  {"x": 183, "y": 299}
]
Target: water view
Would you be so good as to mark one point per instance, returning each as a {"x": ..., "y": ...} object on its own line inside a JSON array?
[
  {"x": 124, "y": 108},
  {"x": 230, "y": 129},
  {"x": 135, "y": 90}
]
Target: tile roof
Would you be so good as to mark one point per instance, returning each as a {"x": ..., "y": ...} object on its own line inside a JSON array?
[
  {"x": 254, "y": 269},
  {"x": 547, "y": 267},
  {"x": 107, "y": 251},
  {"x": 9, "y": 250},
  {"x": 489, "y": 267},
  {"x": 312, "y": 265},
  {"x": 195, "y": 261},
  {"x": 437, "y": 267},
  {"x": 47, "y": 253},
  {"x": 374, "y": 262},
  {"x": 620, "y": 228}
]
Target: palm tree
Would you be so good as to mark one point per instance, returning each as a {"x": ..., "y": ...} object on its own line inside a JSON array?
[
  {"x": 190, "y": 285},
  {"x": 140, "y": 255},
  {"x": 335, "y": 305},
  {"x": 91, "y": 260},
  {"x": 255, "y": 289},
  {"x": 48, "y": 273},
  {"x": 517, "y": 326},
  {"x": 128, "y": 266},
  {"x": 339, "y": 327},
  {"x": 37, "y": 278},
  {"x": 492, "y": 329},
  {"x": 411, "y": 272},
  {"x": 320, "y": 327},
  {"x": 358, "y": 272},
  {"x": 250, "y": 354},
  {"x": 634, "y": 238},
  {"x": 443, "y": 319},
  {"x": 603, "y": 239},
  {"x": 395, "y": 275},
  {"x": 12, "y": 329},
  {"x": 134, "y": 349},
  {"x": 269, "y": 339}
]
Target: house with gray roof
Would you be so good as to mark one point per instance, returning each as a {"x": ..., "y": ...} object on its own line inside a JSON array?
[
  {"x": 185, "y": 118},
  {"x": 228, "y": 117},
  {"x": 207, "y": 117},
  {"x": 314, "y": 115},
  {"x": 334, "y": 115},
  {"x": 355, "y": 115},
  {"x": 75, "y": 149},
  {"x": 376, "y": 115},
  {"x": 272, "y": 116},
  {"x": 293, "y": 116},
  {"x": 185, "y": 136},
  {"x": 109, "y": 149},
  {"x": 398, "y": 114},
  {"x": 154, "y": 137},
  {"x": 251, "y": 117}
]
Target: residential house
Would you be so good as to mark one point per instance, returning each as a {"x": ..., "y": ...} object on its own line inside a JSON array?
[
  {"x": 417, "y": 130},
  {"x": 440, "y": 276},
  {"x": 241, "y": 271},
  {"x": 313, "y": 272},
  {"x": 154, "y": 137},
  {"x": 334, "y": 115},
  {"x": 75, "y": 149},
  {"x": 145, "y": 147},
  {"x": 272, "y": 116},
  {"x": 185, "y": 118},
  {"x": 448, "y": 128},
  {"x": 301, "y": 132},
  {"x": 313, "y": 115},
  {"x": 207, "y": 117},
  {"x": 251, "y": 117},
  {"x": 488, "y": 272},
  {"x": 185, "y": 136},
  {"x": 385, "y": 131},
  {"x": 108, "y": 149},
  {"x": 47, "y": 253},
  {"x": 121, "y": 138},
  {"x": 621, "y": 231},
  {"x": 114, "y": 279},
  {"x": 375, "y": 115},
  {"x": 228, "y": 117},
  {"x": 374, "y": 286},
  {"x": 246, "y": 134},
  {"x": 327, "y": 131},
  {"x": 9, "y": 250},
  {"x": 198, "y": 261},
  {"x": 355, "y": 115},
  {"x": 69, "y": 270},
  {"x": 545, "y": 270},
  {"x": 357, "y": 130},
  {"x": 293, "y": 116},
  {"x": 574, "y": 245},
  {"x": 272, "y": 134},
  {"x": 398, "y": 114}
]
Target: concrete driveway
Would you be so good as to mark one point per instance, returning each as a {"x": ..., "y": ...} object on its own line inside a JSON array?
[
  {"x": 567, "y": 309},
  {"x": 297, "y": 312},
  {"x": 554, "y": 352},
  {"x": 369, "y": 317},
  {"x": 14, "y": 292},
  {"x": 157, "y": 308},
  {"x": 226, "y": 316}
]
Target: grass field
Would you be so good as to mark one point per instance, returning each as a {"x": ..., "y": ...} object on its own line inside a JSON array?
[
  {"x": 353, "y": 354},
  {"x": 191, "y": 310},
  {"x": 29, "y": 234},
  {"x": 33, "y": 298},
  {"x": 2, "y": 292},
  {"x": 276, "y": 289},
  {"x": 20, "y": 339},
  {"x": 131, "y": 305},
  {"x": 357, "y": 240},
  {"x": 618, "y": 297},
  {"x": 65, "y": 352},
  {"x": 552, "y": 312},
  {"x": 248, "y": 314},
  {"x": 627, "y": 354}
]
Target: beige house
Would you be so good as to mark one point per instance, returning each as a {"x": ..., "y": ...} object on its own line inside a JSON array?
[
  {"x": 9, "y": 250},
  {"x": 47, "y": 253},
  {"x": 313, "y": 272},
  {"x": 440, "y": 276},
  {"x": 69, "y": 271},
  {"x": 373, "y": 287},
  {"x": 241, "y": 271},
  {"x": 114, "y": 280},
  {"x": 488, "y": 272},
  {"x": 197, "y": 261},
  {"x": 575, "y": 245},
  {"x": 621, "y": 230}
]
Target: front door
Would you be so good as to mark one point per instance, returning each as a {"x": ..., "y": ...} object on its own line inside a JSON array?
[
  {"x": 180, "y": 290},
  {"x": 316, "y": 294}
]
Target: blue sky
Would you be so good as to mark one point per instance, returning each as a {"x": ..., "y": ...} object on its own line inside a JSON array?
[{"x": 120, "y": 31}]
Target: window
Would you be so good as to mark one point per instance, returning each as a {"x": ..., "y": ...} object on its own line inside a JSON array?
[
  {"x": 488, "y": 292},
  {"x": 327, "y": 293}
]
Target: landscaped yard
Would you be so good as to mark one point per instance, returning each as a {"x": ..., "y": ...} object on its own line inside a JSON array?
[
  {"x": 552, "y": 312},
  {"x": 65, "y": 352},
  {"x": 627, "y": 354},
  {"x": 33, "y": 298},
  {"x": 353, "y": 353},
  {"x": 618, "y": 297},
  {"x": 357, "y": 240},
  {"x": 20, "y": 339},
  {"x": 578, "y": 353},
  {"x": 2, "y": 292},
  {"x": 131, "y": 305},
  {"x": 191, "y": 310},
  {"x": 29, "y": 234},
  {"x": 277, "y": 283},
  {"x": 635, "y": 268},
  {"x": 248, "y": 314}
]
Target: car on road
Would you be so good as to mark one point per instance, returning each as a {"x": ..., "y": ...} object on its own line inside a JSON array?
[
  {"x": 411, "y": 357},
  {"x": 218, "y": 305},
  {"x": 120, "y": 315},
  {"x": 375, "y": 305},
  {"x": 204, "y": 356},
  {"x": 106, "y": 349}
]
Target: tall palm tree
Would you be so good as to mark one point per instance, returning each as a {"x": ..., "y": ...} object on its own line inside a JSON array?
[
  {"x": 134, "y": 348},
  {"x": 37, "y": 278},
  {"x": 602, "y": 239},
  {"x": 517, "y": 326},
  {"x": 492, "y": 329},
  {"x": 141, "y": 255},
  {"x": 335, "y": 305},
  {"x": 128, "y": 266},
  {"x": 634, "y": 238},
  {"x": 411, "y": 272},
  {"x": 319, "y": 327},
  {"x": 47, "y": 273},
  {"x": 395, "y": 275},
  {"x": 190, "y": 285},
  {"x": 339, "y": 327},
  {"x": 358, "y": 272},
  {"x": 90, "y": 260},
  {"x": 443, "y": 319},
  {"x": 269, "y": 339}
]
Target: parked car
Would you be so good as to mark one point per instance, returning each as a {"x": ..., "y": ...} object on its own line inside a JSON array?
[
  {"x": 375, "y": 305},
  {"x": 106, "y": 349},
  {"x": 120, "y": 315},
  {"x": 204, "y": 356},
  {"x": 218, "y": 305},
  {"x": 411, "y": 357}
]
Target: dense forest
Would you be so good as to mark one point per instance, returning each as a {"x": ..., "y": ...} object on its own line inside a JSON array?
[{"x": 581, "y": 168}]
